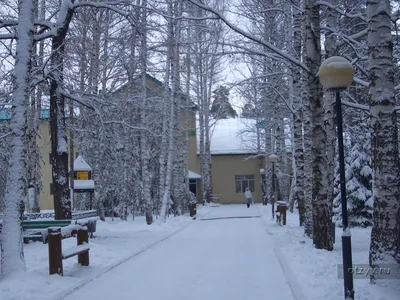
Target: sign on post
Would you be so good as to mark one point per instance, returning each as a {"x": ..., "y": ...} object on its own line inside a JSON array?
[
  {"x": 81, "y": 175},
  {"x": 83, "y": 181}
]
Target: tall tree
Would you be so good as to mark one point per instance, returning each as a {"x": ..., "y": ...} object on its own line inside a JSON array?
[
  {"x": 12, "y": 258},
  {"x": 320, "y": 206},
  {"x": 221, "y": 108},
  {"x": 385, "y": 160},
  {"x": 172, "y": 75},
  {"x": 59, "y": 146}
]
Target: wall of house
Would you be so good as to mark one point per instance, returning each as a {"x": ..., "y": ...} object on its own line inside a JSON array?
[
  {"x": 193, "y": 160},
  {"x": 224, "y": 169},
  {"x": 44, "y": 143}
]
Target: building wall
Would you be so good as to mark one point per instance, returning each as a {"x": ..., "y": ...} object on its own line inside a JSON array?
[
  {"x": 193, "y": 160},
  {"x": 224, "y": 169},
  {"x": 44, "y": 143}
]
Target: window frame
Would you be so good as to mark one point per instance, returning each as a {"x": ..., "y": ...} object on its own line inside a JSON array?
[{"x": 244, "y": 181}]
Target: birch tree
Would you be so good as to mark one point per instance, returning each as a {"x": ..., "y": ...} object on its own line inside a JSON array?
[
  {"x": 12, "y": 258},
  {"x": 144, "y": 119},
  {"x": 172, "y": 75},
  {"x": 385, "y": 161}
]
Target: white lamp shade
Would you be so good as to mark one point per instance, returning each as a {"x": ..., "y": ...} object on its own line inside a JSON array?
[
  {"x": 336, "y": 72},
  {"x": 273, "y": 157}
]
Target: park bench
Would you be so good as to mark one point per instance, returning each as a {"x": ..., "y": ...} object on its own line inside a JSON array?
[
  {"x": 33, "y": 230},
  {"x": 54, "y": 237}
]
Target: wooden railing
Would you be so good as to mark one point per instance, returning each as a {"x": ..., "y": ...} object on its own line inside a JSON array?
[{"x": 216, "y": 198}]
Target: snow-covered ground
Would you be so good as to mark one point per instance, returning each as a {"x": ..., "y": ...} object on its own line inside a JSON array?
[
  {"x": 314, "y": 273},
  {"x": 115, "y": 242},
  {"x": 229, "y": 252}
]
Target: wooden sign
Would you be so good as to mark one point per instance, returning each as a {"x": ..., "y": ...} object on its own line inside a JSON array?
[{"x": 82, "y": 175}]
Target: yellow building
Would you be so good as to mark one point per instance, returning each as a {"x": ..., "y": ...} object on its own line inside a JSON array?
[
  {"x": 154, "y": 88},
  {"x": 234, "y": 161}
]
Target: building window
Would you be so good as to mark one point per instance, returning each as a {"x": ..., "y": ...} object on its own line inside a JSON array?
[
  {"x": 244, "y": 181},
  {"x": 193, "y": 186}
]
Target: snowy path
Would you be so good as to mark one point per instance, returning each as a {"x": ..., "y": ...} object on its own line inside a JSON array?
[{"x": 208, "y": 260}]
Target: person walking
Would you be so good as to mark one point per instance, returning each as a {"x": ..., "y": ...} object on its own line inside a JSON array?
[{"x": 248, "y": 196}]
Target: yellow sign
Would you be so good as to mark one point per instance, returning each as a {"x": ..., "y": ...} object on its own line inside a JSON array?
[{"x": 82, "y": 175}]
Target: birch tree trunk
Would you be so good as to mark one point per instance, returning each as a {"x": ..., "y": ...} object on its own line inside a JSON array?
[
  {"x": 320, "y": 207},
  {"x": 178, "y": 175},
  {"x": 144, "y": 140},
  {"x": 37, "y": 182},
  {"x": 165, "y": 135},
  {"x": 329, "y": 105},
  {"x": 187, "y": 118},
  {"x": 12, "y": 257},
  {"x": 173, "y": 45},
  {"x": 307, "y": 217},
  {"x": 384, "y": 246},
  {"x": 297, "y": 128},
  {"x": 33, "y": 155}
]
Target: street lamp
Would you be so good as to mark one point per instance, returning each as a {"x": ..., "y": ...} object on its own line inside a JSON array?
[
  {"x": 262, "y": 180},
  {"x": 273, "y": 158},
  {"x": 336, "y": 73}
]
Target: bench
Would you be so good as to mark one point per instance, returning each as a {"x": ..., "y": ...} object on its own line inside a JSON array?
[
  {"x": 32, "y": 230},
  {"x": 35, "y": 230},
  {"x": 55, "y": 235},
  {"x": 216, "y": 198}
]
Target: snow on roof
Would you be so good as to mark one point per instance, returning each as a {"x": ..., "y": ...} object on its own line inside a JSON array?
[
  {"x": 84, "y": 184},
  {"x": 81, "y": 165},
  {"x": 235, "y": 136},
  {"x": 193, "y": 175}
]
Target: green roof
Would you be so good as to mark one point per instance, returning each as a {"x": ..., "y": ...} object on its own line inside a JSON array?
[{"x": 6, "y": 113}]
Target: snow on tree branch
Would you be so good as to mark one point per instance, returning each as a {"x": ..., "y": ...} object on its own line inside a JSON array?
[
  {"x": 251, "y": 36},
  {"x": 77, "y": 99},
  {"x": 335, "y": 8}
]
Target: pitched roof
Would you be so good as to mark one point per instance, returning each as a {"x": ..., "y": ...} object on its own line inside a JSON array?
[
  {"x": 81, "y": 165},
  {"x": 152, "y": 84},
  {"x": 234, "y": 136}
]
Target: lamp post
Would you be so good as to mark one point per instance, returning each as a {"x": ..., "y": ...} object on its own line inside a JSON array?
[
  {"x": 336, "y": 73},
  {"x": 262, "y": 180},
  {"x": 273, "y": 158}
]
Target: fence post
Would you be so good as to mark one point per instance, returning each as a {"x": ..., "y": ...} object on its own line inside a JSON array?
[
  {"x": 83, "y": 237},
  {"x": 55, "y": 251}
]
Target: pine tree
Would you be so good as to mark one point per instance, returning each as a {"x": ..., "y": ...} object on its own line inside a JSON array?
[
  {"x": 358, "y": 183},
  {"x": 248, "y": 111},
  {"x": 221, "y": 108}
]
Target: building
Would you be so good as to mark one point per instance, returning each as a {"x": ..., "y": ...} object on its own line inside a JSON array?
[
  {"x": 235, "y": 164},
  {"x": 154, "y": 88},
  {"x": 44, "y": 144}
]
